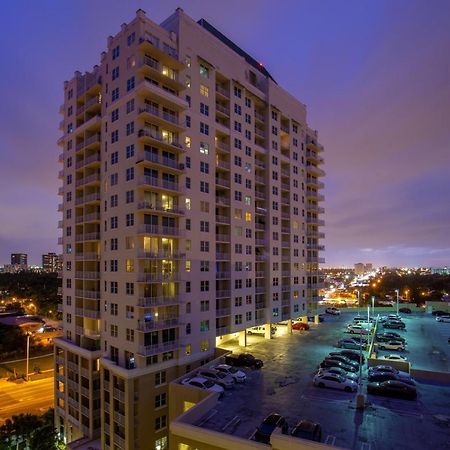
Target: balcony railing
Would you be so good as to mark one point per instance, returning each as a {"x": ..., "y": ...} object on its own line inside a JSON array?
[
  {"x": 157, "y": 182},
  {"x": 148, "y": 350},
  {"x": 160, "y": 254},
  {"x": 223, "y": 312},
  {"x": 159, "y": 207},
  {"x": 87, "y": 293},
  {"x": 148, "y": 302},
  {"x": 156, "y": 159},
  {"x": 156, "y": 112},
  {"x": 148, "y": 132},
  {"x": 224, "y": 293},
  {"x": 222, "y": 256},
  {"x": 164, "y": 231},
  {"x": 222, "y": 145},
  {"x": 222, "y": 109},
  {"x": 222, "y": 219},
  {"x": 221, "y": 90},
  {"x": 158, "y": 277},
  {"x": 158, "y": 324}
]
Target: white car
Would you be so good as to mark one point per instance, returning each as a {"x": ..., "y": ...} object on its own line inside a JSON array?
[
  {"x": 443, "y": 319},
  {"x": 203, "y": 383},
  {"x": 238, "y": 375},
  {"x": 220, "y": 378},
  {"x": 389, "y": 369},
  {"x": 392, "y": 345},
  {"x": 333, "y": 311},
  {"x": 338, "y": 371},
  {"x": 393, "y": 358},
  {"x": 335, "y": 382},
  {"x": 357, "y": 329}
]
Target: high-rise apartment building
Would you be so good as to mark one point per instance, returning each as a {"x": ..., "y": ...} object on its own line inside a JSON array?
[
  {"x": 19, "y": 259},
  {"x": 51, "y": 262},
  {"x": 191, "y": 203}
]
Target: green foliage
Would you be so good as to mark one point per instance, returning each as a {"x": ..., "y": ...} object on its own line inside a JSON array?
[
  {"x": 38, "y": 433},
  {"x": 41, "y": 287},
  {"x": 11, "y": 338}
]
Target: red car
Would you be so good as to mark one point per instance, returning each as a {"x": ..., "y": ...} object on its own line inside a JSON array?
[{"x": 300, "y": 326}]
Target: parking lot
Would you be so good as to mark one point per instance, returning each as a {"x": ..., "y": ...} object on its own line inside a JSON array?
[{"x": 284, "y": 385}]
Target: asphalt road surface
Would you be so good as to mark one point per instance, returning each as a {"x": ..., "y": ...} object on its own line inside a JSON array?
[{"x": 33, "y": 397}]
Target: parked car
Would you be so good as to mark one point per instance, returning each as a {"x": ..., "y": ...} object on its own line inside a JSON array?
[
  {"x": 394, "y": 317},
  {"x": 327, "y": 363},
  {"x": 393, "y": 388},
  {"x": 392, "y": 345},
  {"x": 238, "y": 375},
  {"x": 312, "y": 318},
  {"x": 300, "y": 326},
  {"x": 204, "y": 383},
  {"x": 439, "y": 313},
  {"x": 306, "y": 429},
  {"x": 357, "y": 329},
  {"x": 267, "y": 427},
  {"x": 393, "y": 358},
  {"x": 390, "y": 369},
  {"x": 379, "y": 377},
  {"x": 220, "y": 378},
  {"x": 261, "y": 330},
  {"x": 443, "y": 319},
  {"x": 338, "y": 371},
  {"x": 350, "y": 354},
  {"x": 389, "y": 336},
  {"x": 335, "y": 382},
  {"x": 405, "y": 310},
  {"x": 349, "y": 344},
  {"x": 343, "y": 359},
  {"x": 243, "y": 360},
  {"x": 333, "y": 311},
  {"x": 361, "y": 319},
  {"x": 396, "y": 325}
]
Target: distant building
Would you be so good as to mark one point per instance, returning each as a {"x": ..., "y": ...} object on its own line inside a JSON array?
[
  {"x": 51, "y": 262},
  {"x": 20, "y": 259},
  {"x": 440, "y": 270},
  {"x": 361, "y": 268},
  {"x": 14, "y": 268}
]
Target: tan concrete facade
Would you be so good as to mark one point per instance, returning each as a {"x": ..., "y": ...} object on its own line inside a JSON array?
[{"x": 190, "y": 211}]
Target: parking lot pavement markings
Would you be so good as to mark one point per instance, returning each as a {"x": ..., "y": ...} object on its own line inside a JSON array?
[
  {"x": 208, "y": 417},
  {"x": 330, "y": 440},
  {"x": 234, "y": 421},
  {"x": 365, "y": 446}
]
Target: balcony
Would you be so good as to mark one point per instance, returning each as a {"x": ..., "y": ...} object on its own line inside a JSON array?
[
  {"x": 160, "y": 161},
  {"x": 223, "y": 312},
  {"x": 142, "y": 254},
  {"x": 92, "y": 159},
  {"x": 89, "y": 313},
  {"x": 260, "y": 242},
  {"x": 174, "y": 209},
  {"x": 87, "y": 237},
  {"x": 314, "y": 170},
  {"x": 91, "y": 294},
  {"x": 315, "y": 259},
  {"x": 221, "y": 164},
  {"x": 223, "y": 293},
  {"x": 223, "y": 275},
  {"x": 315, "y": 221},
  {"x": 148, "y": 350},
  {"x": 222, "y": 200},
  {"x": 315, "y": 234},
  {"x": 222, "y": 237},
  {"x": 260, "y": 274},
  {"x": 314, "y": 146},
  {"x": 222, "y": 91},
  {"x": 222, "y": 182},
  {"x": 159, "y": 183},
  {"x": 91, "y": 141},
  {"x": 157, "y": 70},
  {"x": 150, "y": 302},
  {"x": 314, "y": 182},
  {"x": 91, "y": 217},
  {"x": 317, "y": 247},
  {"x": 259, "y": 116},
  {"x": 222, "y": 219},
  {"x": 162, "y": 117},
  {"x": 154, "y": 136},
  {"x": 160, "y": 277},
  {"x": 315, "y": 208},
  {"x": 222, "y": 110},
  {"x": 260, "y": 195},
  {"x": 222, "y": 256},
  {"x": 161, "y": 230},
  {"x": 89, "y": 198},
  {"x": 222, "y": 145},
  {"x": 259, "y": 179},
  {"x": 87, "y": 275},
  {"x": 88, "y": 256},
  {"x": 260, "y": 164},
  {"x": 159, "y": 324},
  {"x": 284, "y": 128},
  {"x": 313, "y": 157},
  {"x": 94, "y": 178},
  {"x": 260, "y": 289},
  {"x": 162, "y": 95},
  {"x": 91, "y": 103},
  {"x": 259, "y": 132}
]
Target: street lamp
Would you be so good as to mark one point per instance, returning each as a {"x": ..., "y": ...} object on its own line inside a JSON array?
[
  {"x": 28, "y": 352},
  {"x": 397, "y": 292},
  {"x": 359, "y": 302},
  {"x": 373, "y": 306}
]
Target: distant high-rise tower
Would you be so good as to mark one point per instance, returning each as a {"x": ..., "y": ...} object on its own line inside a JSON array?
[
  {"x": 191, "y": 204},
  {"x": 51, "y": 262},
  {"x": 19, "y": 259}
]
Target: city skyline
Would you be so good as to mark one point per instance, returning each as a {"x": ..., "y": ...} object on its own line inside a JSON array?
[{"x": 375, "y": 84}]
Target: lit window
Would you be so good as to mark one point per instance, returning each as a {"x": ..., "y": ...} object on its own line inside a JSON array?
[
  {"x": 204, "y": 90},
  {"x": 248, "y": 217},
  {"x": 188, "y": 204},
  {"x": 187, "y": 142}
]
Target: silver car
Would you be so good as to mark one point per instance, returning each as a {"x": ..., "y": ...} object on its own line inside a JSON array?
[
  {"x": 220, "y": 378},
  {"x": 238, "y": 375}
]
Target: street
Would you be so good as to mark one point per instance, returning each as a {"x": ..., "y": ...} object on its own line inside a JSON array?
[
  {"x": 33, "y": 397},
  {"x": 43, "y": 362}
]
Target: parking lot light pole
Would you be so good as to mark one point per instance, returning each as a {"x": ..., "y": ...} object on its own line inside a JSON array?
[
  {"x": 397, "y": 292},
  {"x": 28, "y": 353},
  {"x": 359, "y": 302},
  {"x": 373, "y": 306}
]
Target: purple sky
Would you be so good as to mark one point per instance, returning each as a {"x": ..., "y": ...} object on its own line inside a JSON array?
[{"x": 375, "y": 76}]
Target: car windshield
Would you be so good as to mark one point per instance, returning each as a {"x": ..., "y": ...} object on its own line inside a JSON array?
[
  {"x": 208, "y": 383},
  {"x": 232, "y": 370},
  {"x": 271, "y": 420},
  {"x": 221, "y": 375}
]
